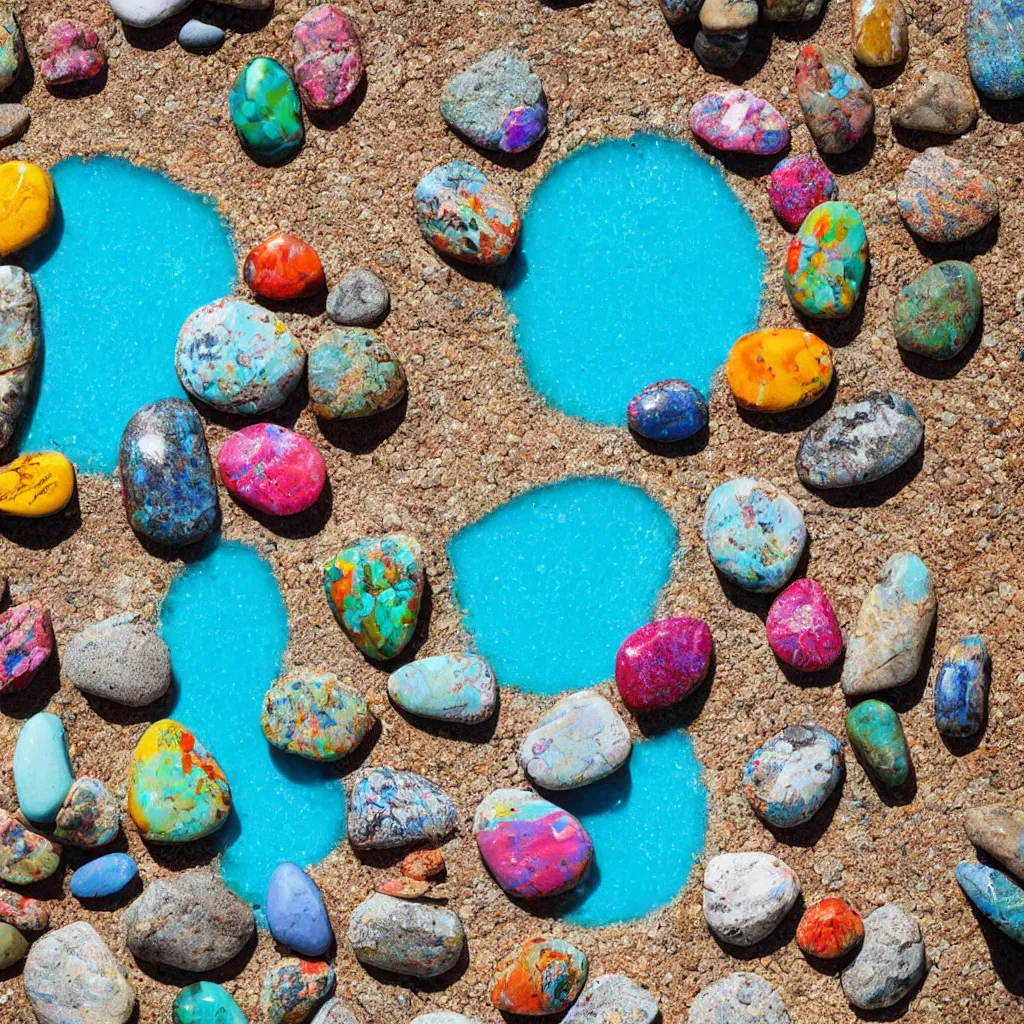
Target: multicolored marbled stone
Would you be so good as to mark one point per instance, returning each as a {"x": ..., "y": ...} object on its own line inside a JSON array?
[
  {"x": 668, "y": 411},
  {"x": 961, "y": 688},
  {"x": 678, "y": 11},
  {"x": 880, "y": 32},
  {"x": 388, "y": 809},
  {"x": 999, "y": 831},
  {"x": 746, "y": 896},
  {"x": 829, "y": 929},
  {"x": 89, "y": 815},
  {"x": 996, "y": 897},
  {"x": 802, "y": 627},
  {"x": 26, "y": 642},
  {"x": 613, "y": 999},
  {"x": 293, "y": 989},
  {"x": 266, "y": 111},
  {"x": 328, "y": 57},
  {"x": 737, "y": 121},
  {"x": 27, "y": 204},
  {"x": 838, "y": 104},
  {"x": 891, "y": 961},
  {"x": 24, "y": 856},
  {"x": 778, "y": 370},
  {"x": 456, "y": 688},
  {"x": 353, "y": 373},
  {"x": 296, "y": 914},
  {"x": 71, "y": 52},
  {"x": 739, "y": 998},
  {"x": 531, "y": 847},
  {"x": 942, "y": 104},
  {"x": 284, "y": 267},
  {"x": 876, "y": 734},
  {"x": 23, "y": 912},
  {"x": 20, "y": 346},
  {"x": 205, "y": 1002},
  {"x": 36, "y": 485},
  {"x": 545, "y": 975},
  {"x": 995, "y": 47},
  {"x": 42, "y": 767},
  {"x": 936, "y": 314},
  {"x": 104, "y": 876},
  {"x": 12, "y": 46},
  {"x": 797, "y": 185},
  {"x": 660, "y": 663}
]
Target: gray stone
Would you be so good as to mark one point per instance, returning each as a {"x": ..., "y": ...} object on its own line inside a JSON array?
[
  {"x": 335, "y": 1011},
  {"x": 890, "y": 963},
  {"x": 198, "y": 35},
  {"x": 792, "y": 10},
  {"x": 721, "y": 50},
  {"x": 146, "y": 13},
  {"x": 613, "y": 999},
  {"x": 942, "y": 103},
  {"x": 19, "y": 346},
  {"x": 739, "y": 998},
  {"x": 14, "y": 119},
  {"x": 388, "y": 809},
  {"x": 746, "y": 896},
  {"x": 359, "y": 299},
  {"x": 998, "y": 831}
]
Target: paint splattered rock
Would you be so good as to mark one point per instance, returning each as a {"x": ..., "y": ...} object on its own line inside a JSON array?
[
  {"x": 71, "y": 52},
  {"x": 998, "y": 831},
  {"x": 826, "y": 262},
  {"x": 995, "y": 47},
  {"x": 167, "y": 483},
  {"x": 754, "y": 534},
  {"x": 293, "y": 989},
  {"x": 353, "y": 373},
  {"x": 205, "y": 1003},
  {"x": 359, "y": 299},
  {"x": 266, "y": 111},
  {"x": 837, "y": 103},
  {"x": 296, "y": 914},
  {"x": 802, "y": 628},
  {"x": 936, "y": 314},
  {"x": 739, "y": 998},
  {"x": 880, "y": 37},
  {"x": 26, "y": 204},
  {"x": 36, "y": 485},
  {"x": 89, "y": 815},
  {"x": 613, "y": 999},
  {"x": 20, "y": 346},
  {"x": 272, "y": 469},
  {"x": 545, "y": 975},
  {"x": 23, "y": 912},
  {"x": 284, "y": 267},
  {"x": 389, "y": 809},
  {"x": 328, "y": 57},
  {"x": 176, "y": 790},
  {"x": 738, "y": 121},
  {"x": 531, "y": 847},
  {"x": 42, "y": 767},
  {"x": 660, "y": 663},
  {"x": 892, "y": 628},
  {"x": 746, "y": 896},
  {"x": 12, "y": 47},
  {"x": 315, "y": 715},
  {"x": 778, "y": 370},
  {"x": 667, "y": 410},
  {"x": 374, "y": 588},
  {"x": 792, "y": 10},
  {"x": 830, "y": 929},
  {"x": 995, "y": 896},
  {"x": 103, "y": 877},
  {"x": 961, "y": 688},
  {"x": 941, "y": 200},
  {"x": 876, "y": 734},
  {"x": 24, "y": 856},
  {"x": 797, "y": 185},
  {"x": 942, "y": 104},
  {"x": 422, "y": 864},
  {"x": 890, "y": 963},
  {"x": 448, "y": 687},
  {"x": 26, "y": 642},
  {"x": 860, "y": 442},
  {"x": 462, "y": 215},
  {"x": 497, "y": 103},
  {"x": 678, "y": 11}
]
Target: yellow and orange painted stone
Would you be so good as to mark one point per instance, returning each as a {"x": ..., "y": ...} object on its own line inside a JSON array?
[
  {"x": 36, "y": 485},
  {"x": 778, "y": 370},
  {"x": 26, "y": 204},
  {"x": 879, "y": 32}
]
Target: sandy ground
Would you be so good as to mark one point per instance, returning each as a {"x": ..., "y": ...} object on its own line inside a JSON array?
[{"x": 474, "y": 434}]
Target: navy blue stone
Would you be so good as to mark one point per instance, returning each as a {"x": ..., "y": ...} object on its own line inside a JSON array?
[
  {"x": 668, "y": 410},
  {"x": 104, "y": 876},
  {"x": 295, "y": 911},
  {"x": 995, "y": 47},
  {"x": 995, "y": 896},
  {"x": 961, "y": 688}
]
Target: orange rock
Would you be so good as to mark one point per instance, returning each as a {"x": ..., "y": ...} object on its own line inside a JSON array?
[
  {"x": 284, "y": 267},
  {"x": 778, "y": 370},
  {"x": 423, "y": 864},
  {"x": 829, "y": 929},
  {"x": 403, "y": 888}
]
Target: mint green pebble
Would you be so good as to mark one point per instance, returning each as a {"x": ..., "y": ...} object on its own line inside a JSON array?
[
  {"x": 936, "y": 314},
  {"x": 266, "y": 111},
  {"x": 205, "y": 1003},
  {"x": 876, "y": 734},
  {"x": 42, "y": 768}
]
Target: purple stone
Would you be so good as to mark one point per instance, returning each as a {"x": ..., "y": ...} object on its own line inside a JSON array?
[{"x": 295, "y": 911}]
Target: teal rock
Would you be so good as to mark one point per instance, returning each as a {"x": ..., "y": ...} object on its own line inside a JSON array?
[
  {"x": 42, "y": 768},
  {"x": 205, "y": 1003},
  {"x": 388, "y": 809},
  {"x": 266, "y": 111},
  {"x": 995, "y": 47},
  {"x": 999, "y": 831},
  {"x": 876, "y": 734},
  {"x": 937, "y": 312},
  {"x": 961, "y": 688},
  {"x": 353, "y": 373},
  {"x": 996, "y": 897},
  {"x": 449, "y": 688},
  {"x": 12, "y": 47}
]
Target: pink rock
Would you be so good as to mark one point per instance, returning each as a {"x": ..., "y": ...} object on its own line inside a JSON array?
[
  {"x": 26, "y": 641},
  {"x": 802, "y": 627},
  {"x": 799, "y": 184},
  {"x": 662, "y": 662},
  {"x": 738, "y": 121},
  {"x": 71, "y": 53},
  {"x": 328, "y": 57},
  {"x": 272, "y": 469}
]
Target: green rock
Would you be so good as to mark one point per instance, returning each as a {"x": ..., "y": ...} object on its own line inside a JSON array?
[
  {"x": 937, "y": 312},
  {"x": 12, "y": 945},
  {"x": 205, "y": 1003},
  {"x": 876, "y": 734},
  {"x": 266, "y": 110}
]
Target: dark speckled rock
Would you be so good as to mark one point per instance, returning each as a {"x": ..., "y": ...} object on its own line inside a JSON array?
[
  {"x": 937, "y": 312},
  {"x": 678, "y": 11},
  {"x": 961, "y": 688},
  {"x": 667, "y": 410}
]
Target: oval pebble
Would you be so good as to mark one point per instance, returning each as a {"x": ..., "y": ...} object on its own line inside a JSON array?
[
  {"x": 802, "y": 627},
  {"x": 994, "y": 31},
  {"x": 24, "y": 856},
  {"x": 942, "y": 104},
  {"x": 36, "y": 485},
  {"x": 667, "y": 410},
  {"x": 876, "y": 734},
  {"x": 354, "y": 373},
  {"x": 890, "y": 963},
  {"x": 27, "y": 204},
  {"x": 995, "y": 896},
  {"x": 283, "y": 267},
  {"x": 199, "y": 35},
  {"x": 266, "y": 111},
  {"x": 961, "y": 688},
  {"x": 660, "y": 663},
  {"x": 545, "y": 975},
  {"x": 389, "y": 809},
  {"x": 778, "y": 370},
  {"x": 936, "y": 314},
  {"x": 458, "y": 688},
  {"x": 880, "y": 32},
  {"x": 613, "y": 999},
  {"x": 20, "y": 342},
  {"x": 295, "y": 910},
  {"x": 89, "y": 815},
  {"x": 328, "y": 57},
  {"x": 23, "y": 912},
  {"x": 797, "y": 185},
  {"x": 746, "y": 896},
  {"x": 423, "y": 864},
  {"x": 999, "y": 831},
  {"x": 739, "y": 998},
  {"x": 737, "y": 121},
  {"x": 205, "y": 1003},
  {"x": 359, "y": 299},
  {"x": 42, "y": 767},
  {"x": 829, "y": 929},
  {"x": 13, "y": 945},
  {"x": 26, "y": 643},
  {"x": 105, "y": 876},
  {"x": 941, "y": 200},
  {"x": 293, "y": 989},
  {"x": 838, "y": 104}
]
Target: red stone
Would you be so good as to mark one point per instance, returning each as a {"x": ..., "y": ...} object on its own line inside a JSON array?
[
  {"x": 829, "y": 929},
  {"x": 284, "y": 267},
  {"x": 71, "y": 53}
]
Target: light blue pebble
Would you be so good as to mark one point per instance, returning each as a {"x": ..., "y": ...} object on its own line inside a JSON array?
[
  {"x": 295, "y": 911},
  {"x": 448, "y": 687},
  {"x": 198, "y": 35},
  {"x": 961, "y": 688},
  {"x": 995, "y": 47},
  {"x": 42, "y": 768},
  {"x": 995, "y": 896},
  {"x": 104, "y": 876}
]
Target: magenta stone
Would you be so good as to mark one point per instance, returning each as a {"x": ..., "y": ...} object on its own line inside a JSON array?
[
  {"x": 272, "y": 469},
  {"x": 26, "y": 641},
  {"x": 740, "y": 122},
  {"x": 328, "y": 57},
  {"x": 802, "y": 627},
  {"x": 662, "y": 662},
  {"x": 799, "y": 184},
  {"x": 71, "y": 53}
]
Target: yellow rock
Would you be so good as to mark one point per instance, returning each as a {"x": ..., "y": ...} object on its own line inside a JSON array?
[
  {"x": 26, "y": 204},
  {"x": 775, "y": 371},
  {"x": 879, "y": 32},
  {"x": 36, "y": 485}
]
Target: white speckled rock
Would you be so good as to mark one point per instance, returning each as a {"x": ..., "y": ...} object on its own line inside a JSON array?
[
  {"x": 746, "y": 896},
  {"x": 146, "y": 13},
  {"x": 613, "y": 999},
  {"x": 739, "y": 998},
  {"x": 890, "y": 962}
]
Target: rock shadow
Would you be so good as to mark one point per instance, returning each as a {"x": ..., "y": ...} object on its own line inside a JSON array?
[{"x": 364, "y": 434}]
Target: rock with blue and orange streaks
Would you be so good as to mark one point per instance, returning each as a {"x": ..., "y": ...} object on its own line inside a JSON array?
[
  {"x": 961, "y": 688},
  {"x": 388, "y": 809},
  {"x": 802, "y": 627},
  {"x": 353, "y": 373},
  {"x": 89, "y": 815},
  {"x": 448, "y": 687},
  {"x": 737, "y": 121},
  {"x": 294, "y": 988},
  {"x": 660, "y": 663},
  {"x": 838, "y": 104},
  {"x": 545, "y": 975},
  {"x": 995, "y": 47}
]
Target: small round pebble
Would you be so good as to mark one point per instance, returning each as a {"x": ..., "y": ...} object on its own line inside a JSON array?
[
  {"x": 283, "y": 267},
  {"x": 746, "y": 896},
  {"x": 293, "y": 989},
  {"x": 105, "y": 876},
  {"x": 89, "y": 816},
  {"x": 890, "y": 963},
  {"x": 613, "y": 999},
  {"x": 359, "y": 299},
  {"x": 295, "y": 910},
  {"x": 776, "y": 371},
  {"x": 738, "y": 121},
  {"x": 802, "y": 627},
  {"x": 660, "y": 663},
  {"x": 739, "y": 998},
  {"x": 829, "y": 929},
  {"x": 797, "y": 185},
  {"x": 199, "y": 36},
  {"x": 936, "y": 314},
  {"x": 668, "y": 411}
]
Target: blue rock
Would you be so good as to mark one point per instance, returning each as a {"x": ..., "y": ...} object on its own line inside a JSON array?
[
  {"x": 961, "y": 688},
  {"x": 389, "y": 808},
  {"x": 197, "y": 35},
  {"x": 667, "y": 410},
  {"x": 42, "y": 769},
  {"x": 104, "y": 876},
  {"x": 995, "y": 896},
  {"x": 295, "y": 911},
  {"x": 995, "y": 47}
]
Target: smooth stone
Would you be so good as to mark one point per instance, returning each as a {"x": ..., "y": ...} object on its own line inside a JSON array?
[
  {"x": 36, "y": 485},
  {"x": 838, "y": 104},
  {"x": 328, "y": 57},
  {"x": 792, "y": 10},
  {"x": 71, "y": 52},
  {"x": 942, "y": 104},
  {"x": 423, "y": 864},
  {"x": 14, "y": 119},
  {"x": 613, "y": 999},
  {"x": 89, "y": 816},
  {"x": 892, "y": 628},
  {"x": 961, "y": 688},
  {"x": 739, "y": 998},
  {"x": 746, "y": 896},
  {"x": 359, "y": 299},
  {"x": 104, "y": 876},
  {"x": 27, "y": 204},
  {"x": 146, "y": 13},
  {"x": 23, "y": 912},
  {"x": 498, "y": 103},
  {"x": 20, "y": 346},
  {"x": 678, "y": 11},
  {"x": 737, "y": 121},
  {"x": 668, "y": 411},
  {"x": 994, "y": 30},
  {"x": 797, "y": 185},
  {"x": 880, "y": 32},
  {"x": 205, "y": 1003},
  {"x": 859, "y": 442},
  {"x": 335, "y": 1011},
  {"x": 995, "y": 896},
  {"x": 829, "y": 929},
  {"x": 13, "y": 945},
  {"x": 456, "y": 688},
  {"x": 293, "y": 989},
  {"x": 778, "y": 370},
  {"x": 167, "y": 483},
  {"x": 191, "y": 921},
  {"x": 936, "y": 314},
  {"x": 71, "y": 977},
  {"x": 353, "y": 373},
  {"x": 315, "y": 715},
  {"x": 754, "y": 534},
  {"x": 727, "y": 15},
  {"x": 545, "y": 975},
  {"x": 42, "y": 767},
  {"x": 580, "y": 740},
  {"x": 802, "y": 628},
  {"x": 662, "y": 662},
  {"x": 890, "y": 963},
  {"x": 272, "y": 469},
  {"x": 374, "y": 588},
  {"x": 119, "y": 659},
  {"x": 876, "y": 735},
  {"x": 176, "y": 790},
  {"x": 284, "y": 267},
  {"x": 721, "y": 50},
  {"x": 266, "y": 111},
  {"x": 790, "y": 777},
  {"x": 296, "y": 914},
  {"x": 404, "y": 888},
  {"x": 531, "y": 847},
  {"x": 462, "y": 215},
  {"x": 415, "y": 939},
  {"x": 26, "y": 643},
  {"x": 388, "y": 809},
  {"x": 12, "y": 46},
  {"x": 999, "y": 831},
  {"x": 24, "y": 856},
  {"x": 198, "y": 35}
]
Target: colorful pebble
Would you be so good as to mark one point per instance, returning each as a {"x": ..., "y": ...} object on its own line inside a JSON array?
[
  {"x": 71, "y": 52},
  {"x": 266, "y": 111},
  {"x": 353, "y": 373},
  {"x": 423, "y": 864},
  {"x": 837, "y": 103},
  {"x": 746, "y": 896},
  {"x": 830, "y": 929},
  {"x": 660, "y": 663},
  {"x": 23, "y": 912},
  {"x": 89, "y": 816},
  {"x": 995, "y": 896},
  {"x": 12, "y": 47},
  {"x": 293, "y": 989},
  {"x": 778, "y": 370},
  {"x": 880, "y": 32},
  {"x": 36, "y": 485},
  {"x": 42, "y": 767},
  {"x": 20, "y": 346},
  {"x": 739, "y": 998},
  {"x": 961, "y": 688},
  {"x": 936, "y": 314},
  {"x": 105, "y": 876},
  {"x": 328, "y": 57},
  {"x": 995, "y": 47},
  {"x": 457, "y": 688},
  {"x": 891, "y": 961},
  {"x": 613, "y": 999},
  {"x": 998, "y": 831},
  {"x": 24, "y": 856},
  {"x": 26, "y": 205},
  {"x": 667, "y": 410},
  {"x": 545, "y": 975},
  {"x": 802, "y": 628},
  {"x": 284, "y": 267},
  {"x": 205, "y": 1002},
  {"x": 737, "y": 121},
  {"x": 876, "y": 734},
  {"x": 26, "y": 643},
  {"x": 389, "y": 809},
  {"x": 797, "y": 185},
  {"x": 295, "y": 910}
]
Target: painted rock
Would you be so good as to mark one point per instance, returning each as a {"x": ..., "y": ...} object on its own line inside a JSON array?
[
  {"x": 89, "y": 816},
  {"x": 892, "y": 628},
  {"x": 42, "y": 768},
  {"x": 995, "y": 896},
  {"x": 404, "y": 888},
  {"x": 296, "y": 914},
  {"x": 12, "y": 945},
  {"x": 26, "y": 642},
  {"x": 423, "y": 864},
  {"x": 353, "y": 373},
  {"x": 880, "y": 38},
  {"x": 315, "y": 715},
  {"x": 859, "y": 442},
  {"x": 754, "y": 534},
  {"x": 293, "y": 989},
  {"x": 998, "y": 831},
  {"x": 176, "y": 790},
  {"x": 778, "y": 370},
  {"x": 936, "y": 314},
  {"x": 876, "y": 734},
  {"x": 531, "y": 847},
  {"x": 728, "y": 15},
  {"x": 942, "y": 104},
  {"x": 890, "y": 963},
  {"x": 238, "y": 357},
  {"x": 389, "y": 809},
  {"x": 71, "y": 52},
  {"x": 26, "y": 205},
  {"x": 578, "y": 741},
  {"x": 374, "y": 589},
  {"x": 105, "y": 876},
  {"x": 14, "y": 119},
  {"x": 462, "y": 215},
  {"x": 359, "y": 299},
  {"x": 797, "y": 185},
  {"x": 167, "y": 483},
  {"x": 658, "y": 664},
  {"x": 678, "y": 11},
  {"x": 449, "y": 688},
  {"x": 837, "y": 103},
  {"x": 146, "y": 13},
  {"x": 802, "y": 628},
  {"x": 667, "y": 410},
  {"x": 23, "y": 912},
  {"x": 420, "y": 940},
  {"x": 266, "y": 111},
  {"x": 71, "y": 977},
  {"x": 205, "y": 1003},
  {"x": 737, "y": 121},
  {"x": 272, "y": 469},
  {"x": 746, "y": 896},
  {"x": 191, "y": 921},
  {"x": 200, "y": 36},
  {"x": 739, "y": 998},
  {"x": 826, "y": 262},
  {"x": 24, "y": 856},
  {"x": 12, "y": 47},
  {"x": 334, "y": 1011},
  {"x": 328, "y": 57},
  {"x": 284, "y": 267},
  {"x": 830, "y": 929},
  {"x": 613, "y": 999},
  {"x": 995, "y": 47},
  {"x": 20, "y": 346},
  {"x": 497, "y": 103},
  {"x": 36, "y": 485},
  {"x": 961, "y": 688},
  {"x": 721, "y": 50},
  {"x": 792, "y": 10},
  {"x": 789, "y": 778},
  {"x": 545, "y": 975}
]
